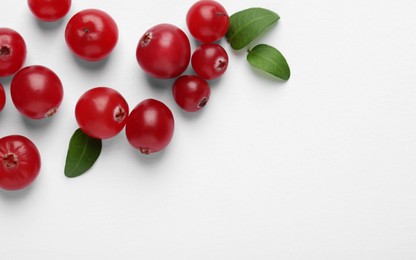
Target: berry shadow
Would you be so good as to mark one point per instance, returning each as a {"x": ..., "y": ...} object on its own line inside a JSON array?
[
  {"x": 195, "y": 43},
  {"x": 161, "y": 88},
  {"x": 159, "y": 84},
  {"x": 114, "y": 143},
  {"x": 37, "y": 125},
  {"x": 3, "y": 113},
  {"x": 18, "y": 195},
  {"x": 49, "y": 26},
  {"x": 6, "y": 81},
  {"x": 91, "y": 65},
  {"x": 214, "y": 83}
]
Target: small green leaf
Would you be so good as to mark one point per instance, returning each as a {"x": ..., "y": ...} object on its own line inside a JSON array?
[
  {"x": 247, "y": 25},
  {"x": 82, "y": 153},
  {"x": 270, "y": 60}
]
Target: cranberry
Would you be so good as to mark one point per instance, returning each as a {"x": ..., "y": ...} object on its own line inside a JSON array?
[
  {"x": 36, "y": 92},
  {"x": 12, "y": 52},
  {"x": 91, "y": 34},
  {"x": 49, "y": 10},
  {"x": 207, "y": 21},
  {"x": 150, "y": 126},
  {"x": 19, "y": 162},
  {"x": 191, "y": 92},
  {"x": 2, "y": 97},
  {"x": 101, "y": 112},
  {"x": 209, "y": 61},
  {"x": 164, "y": 51}
]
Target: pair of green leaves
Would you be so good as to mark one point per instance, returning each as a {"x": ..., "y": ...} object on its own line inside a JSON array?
[{"x": 245, "y": 27}]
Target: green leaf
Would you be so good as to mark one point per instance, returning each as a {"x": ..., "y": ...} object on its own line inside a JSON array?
[
  {"x": 247, "y": 25},
  {"x": 82, "y": 153},
  {"x": 270, "y": 60}
]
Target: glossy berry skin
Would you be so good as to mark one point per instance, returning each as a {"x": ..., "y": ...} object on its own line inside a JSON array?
[
  {"x": 191, "y": 92},
  {"x": 36, "y": 92},
  {"x": 20, "y": 162},
  {"x": 207, "y": 21},
  {"x": 164, "y": 51},
  {"x": 2, "y": 97},
  {"x": 91, "y": 34},
  {"x": 150, "y": 126},
  {"x": 12, "y": 51},
  {"x": 49, "y": 10},
  {"x": 101, "y": 112},
  {"x": 209, "y": 61}
]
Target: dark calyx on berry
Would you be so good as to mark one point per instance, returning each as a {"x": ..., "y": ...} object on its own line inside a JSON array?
[{"x": 4, "y": 51}]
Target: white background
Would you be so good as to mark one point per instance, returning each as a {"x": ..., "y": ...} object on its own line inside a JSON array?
[{"x": 320, "y": 167}]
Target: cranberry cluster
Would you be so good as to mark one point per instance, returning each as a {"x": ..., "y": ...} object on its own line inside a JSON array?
[
  {"x": 36, "y": 91},
  {"x": 164, "y": 52}
]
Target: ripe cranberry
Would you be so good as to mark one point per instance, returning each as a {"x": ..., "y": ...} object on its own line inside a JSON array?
[
  {"x": 19, "y": 162},
  {"x": 36, "y": 92},
  {"x": 91, "y": 34},
  {"x": 101, "y": 112},
  {"x": 12, "y": 52},
  {"x": 149, "y": 127},
  {"x": 209, "y": 61},
  {"x": 164, "y": 51},
  {"x": 207, "y": 21},
  {"x": 191, "y": 92},
  {"x": 2, "y": 97},
  {"x": 49, "y": 10}
]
